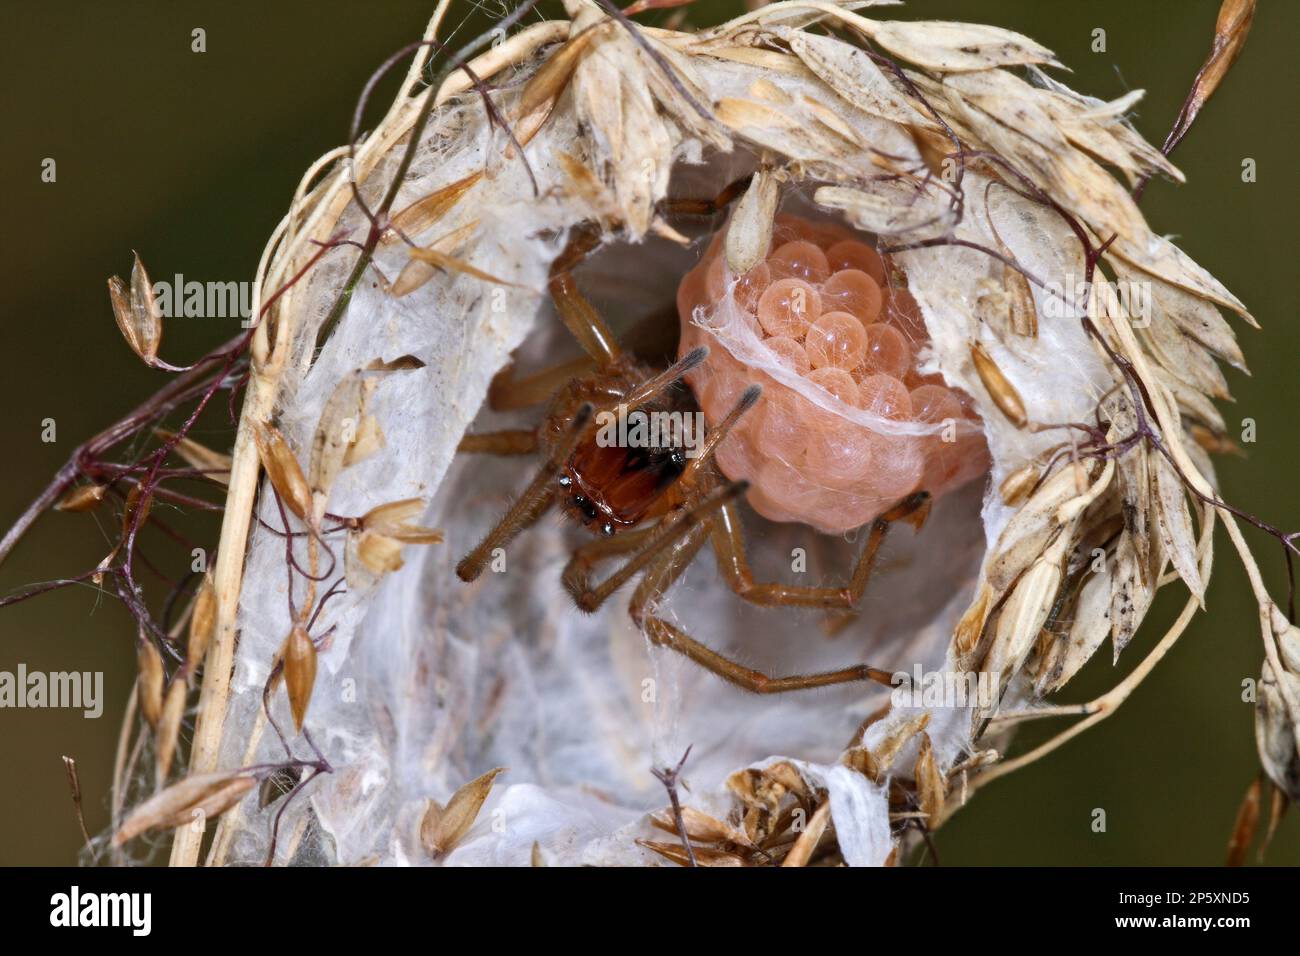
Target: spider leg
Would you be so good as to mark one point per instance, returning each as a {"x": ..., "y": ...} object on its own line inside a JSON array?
[
  {"x": 577, "y": 573},
  {"x": 576, "y": 312},
  {"x": 651, "y": 387},
  {"x": 656, "y": 582},
  {"x": 507, "y": 393},
  {"x": 529, "y": 506},
  {"x": 511, "y": 441},
  {"x": 706, "y": 207},
  {"x": 729, "y": 547},
  {"x": 716, "y": 435},
  {"x": 670, "y": 530}
]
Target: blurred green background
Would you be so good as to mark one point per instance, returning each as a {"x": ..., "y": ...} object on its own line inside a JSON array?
[{"x": 191, "y": 158}]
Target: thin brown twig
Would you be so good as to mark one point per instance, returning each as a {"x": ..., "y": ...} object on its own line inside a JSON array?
[
  {"x": 74, "y": 785},
  {"x": 669, "y": 778}
]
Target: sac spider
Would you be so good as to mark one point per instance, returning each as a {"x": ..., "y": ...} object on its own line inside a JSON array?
[{"x": 653, "y": 506}]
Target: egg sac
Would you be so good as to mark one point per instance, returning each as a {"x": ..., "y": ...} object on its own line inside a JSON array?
[{"x": 827, "y": 309}]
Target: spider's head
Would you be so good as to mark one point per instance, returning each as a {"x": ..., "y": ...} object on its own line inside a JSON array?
[{"x": 582, "y": 508}]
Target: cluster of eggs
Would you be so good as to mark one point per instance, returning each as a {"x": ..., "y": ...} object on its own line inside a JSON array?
[{"x": 824, "y": 308}]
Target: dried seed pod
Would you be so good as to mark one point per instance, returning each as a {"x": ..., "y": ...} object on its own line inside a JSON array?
[
  {"x": 203, "y": 621},
  {"x": 704, "y": 855},
  {"x": 750, "y": 232},
  {"x": 806, "y": 844},
  {"x": 195, "y": 797},
  {"x": 372, "y": 555},
  {"x": 393, "y": 521},
  {"x": 861, "y": 760},
  {"x": 1131, "y": 592},
  {"x": 1174, "y": 524},
  {"x": 403, "y": 363},
  {"x": 884, "y": 753},
  {"x": 424, "y": 213},
  {"x": 1247, "y": 822},
  {"x": 1089, "y": 628},
  {"x": 743, "y": 785},
  {"x": 299, "y": 653},
  {"x": 1230, "y": 31},
  {"x": 137, "y": 508},
  {"x": 119, "y": 296},
  {"x": 851, "y": 73},
  {"x": 147, "y": 317},
  {"x": 1277, "y": 804},
  {"x": 82, "y": 498},
  {"x": 947, "y": 47},
  {"x": 1043, "y": 516},
  {"x": 1276, "y": 735},
  {"x": 1021, "y": 619},
  {"x": 149, "y": 681},
  {"x": 930, "y": 786},
  {"x": 420, "y": 270},
  {"x": 137, "y": 312},
  {"x": 1016, "y": 486},
  {"x": 969, "y": 630},
  {"x": 1004, "y": 394},
  {"x": 443, "y": 827},
  {"x": 370, "y": 439},
  {"x": 701, "y": 827},
  {"x": 213, "y": 464},
  {"x": 440, "y": 260},
  {"x": 1213, "y": 442},
  {"x": 169, "y": 725},
  {"x": 335, "y": 433},
  {"x": 283, "y": 469},
  {"x": 784, "y": 774}
]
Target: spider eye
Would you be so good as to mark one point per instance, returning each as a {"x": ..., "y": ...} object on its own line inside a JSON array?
[{"x": 565, "y": 481}]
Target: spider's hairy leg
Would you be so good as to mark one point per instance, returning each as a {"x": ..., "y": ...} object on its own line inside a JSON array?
[
  {"x": 511, "y": 441},
  {"x": 576, "y": 312},
  {"x": 507, "y": 393},
  {"x": 577, "y": 572},
  {"x": 530, "y": 505},
  {"x": 652, "y": 387},
  {"x": 656, "y": 582},
  {"x": 747, "y": 400},
  {"x": 670, "y": 530},
  {"x": 706, "y": 207},
  {"x": 729, "y": 547}
]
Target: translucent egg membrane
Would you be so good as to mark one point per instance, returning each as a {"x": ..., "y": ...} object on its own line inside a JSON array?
[{"x": 847, "y": 424}]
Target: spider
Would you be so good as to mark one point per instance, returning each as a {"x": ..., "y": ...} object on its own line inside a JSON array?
[{"x": 655, "y": 507}]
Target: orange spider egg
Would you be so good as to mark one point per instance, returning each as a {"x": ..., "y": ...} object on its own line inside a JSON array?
[{"x": 787, "y": 307}]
